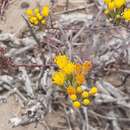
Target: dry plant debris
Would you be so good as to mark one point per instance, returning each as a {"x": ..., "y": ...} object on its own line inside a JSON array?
[
  {"x": 78, "y": 51},
  {"x": 3, "y": 5}
]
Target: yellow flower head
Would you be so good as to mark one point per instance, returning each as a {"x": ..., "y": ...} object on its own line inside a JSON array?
[
  {"x": 71, "y": 90},
  {"x": 36, "y": 10},
  {"x": 126, "y": 14},
  {"x": 85, "y": 94},
  {"x": 86, "y": 102},
  {"x": 38, "y": 15},
  {"x": 69, "y": 68},
  {"x": 33, "y": 19},
  {"x": 58, "y": 78},
  {"x": 73, "y": 97},
  {"x": 107, "y": 1},
  {"x": 29, "y": 12},
  {"x": 36, "y": 22},
  {"x": 61, "y": 61},
  {"x": 76, "y": 104},
  {"x": 86, "y": 66},
  {"x": 119, "y": 3},
  {"x": 45, "y": 11},
  {"x": 93, "y": 91},
  {"x": 80, "y": 79},
  {"x": 43, "y": 21},
  {"x": 78, "y": 68},
  {"x": 79, "y": 90},
  {"x": 111, "y": 6}
]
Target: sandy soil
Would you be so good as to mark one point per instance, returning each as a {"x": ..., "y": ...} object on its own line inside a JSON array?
[{"x": 7, "y": 111}]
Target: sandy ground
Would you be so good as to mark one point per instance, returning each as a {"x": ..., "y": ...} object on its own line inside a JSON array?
[
  {"x": 7, "y": 111},
  {"x": 12, "y": 107}
]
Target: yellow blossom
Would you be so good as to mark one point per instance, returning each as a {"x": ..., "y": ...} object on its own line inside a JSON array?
[
  {"x": 119, "y": 3},
  {"x": 36, "y": 10},
  {"x": 126, "y": 14},
  {"x": 69, "y": 68},
  {"x": 43, "y": 21},
  {"x": 79, "y": 89},
  {"x": 86, "y": 66},
  {"x": 33, "y": 19},
  {"x": 78, "y": 68},
  {"x": 73, "y": 97},
  {"x": 93, "y": 91},
  {"x": 71, "y": 90},
  {"x": 86, "y": 102},
  {"x": 85, "y": 94},
  {"x": 38, "y": 15},
  {"x": 45, "y": 11},
  {"x": 29, "y": 12},
  {"x": 80, "y": 79},
  {"x": 58, "y": 78},
  {"x": 111, "y": 6},
  {"x": 61, "y": 61},
  {"x": 76, "y": 104},
  {"x": 107, "y": 1},
  {"x": 36, "y": 22}
]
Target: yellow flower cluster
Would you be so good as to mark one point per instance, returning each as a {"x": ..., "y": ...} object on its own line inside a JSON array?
[
  {"x": 59, "y": 78},
  {"x": 117, "y": 10},
  {"x": 81, "y": 97},
  {"x": 66, "y": 67},
  {"x": 71, "y": 77},
  {"x": 38, "y": 16},
  {"x": 114, "y": 4},
  {"x": 126, "y": 14}
]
